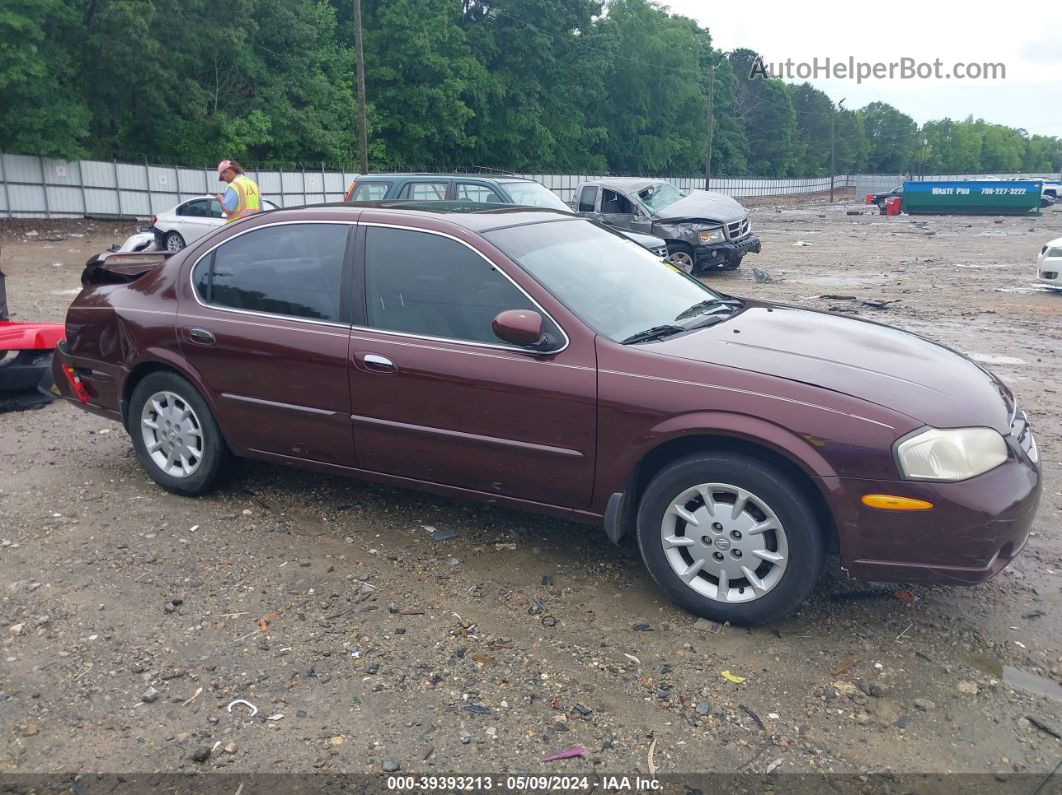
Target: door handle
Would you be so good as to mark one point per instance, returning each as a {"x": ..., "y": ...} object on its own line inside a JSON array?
[
  {"x": 377, "y": 363},
  {"x": 201, "y": 336}
]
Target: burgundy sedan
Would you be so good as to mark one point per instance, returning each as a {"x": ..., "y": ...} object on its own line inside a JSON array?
[{"x": 537, "y": 360}]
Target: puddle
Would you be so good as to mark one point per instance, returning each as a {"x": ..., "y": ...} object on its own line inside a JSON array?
[
  {"x": 986, "y": 665},
  {"x": 1031, "y": 682},
  {"x": 987, "y": 358}
]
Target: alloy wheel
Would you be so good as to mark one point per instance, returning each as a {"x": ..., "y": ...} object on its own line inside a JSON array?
[
  {"x": 173, "y": 434},
  {"x": 724, "y": 542}
]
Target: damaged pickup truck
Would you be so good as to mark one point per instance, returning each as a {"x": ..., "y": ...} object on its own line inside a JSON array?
[{"x": 704, "y": 231}]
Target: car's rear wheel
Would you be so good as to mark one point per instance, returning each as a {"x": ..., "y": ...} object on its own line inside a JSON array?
[
  {"x": 175, "y": 435},
  {"x": 174, "y": 241},
  {"x": 730, "y": 537},
  {"x": 681, "y": 256}
]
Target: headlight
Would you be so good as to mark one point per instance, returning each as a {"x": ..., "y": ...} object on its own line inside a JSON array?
[
  {"x": 950, "y": 454},
  {"x": 710, "y": 236}
]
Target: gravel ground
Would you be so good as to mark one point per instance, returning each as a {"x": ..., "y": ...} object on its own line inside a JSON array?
[{"x": 132, "y": 618}]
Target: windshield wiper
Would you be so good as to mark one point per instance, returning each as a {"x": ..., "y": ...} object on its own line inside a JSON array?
[
  {"x": 700, "y": 308},
  {"x": 654, "y": 333}
]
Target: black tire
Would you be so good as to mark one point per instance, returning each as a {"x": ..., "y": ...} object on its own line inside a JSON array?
[
  {"x": 173, "y": 241},
  {"x": 733, "y": 264},
  {"x": 681, "y": 256},
  {"x": 770, "y": 485},
  {"x": 215, "y": 460}
]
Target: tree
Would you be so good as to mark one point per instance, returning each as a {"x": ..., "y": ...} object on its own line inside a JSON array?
[
  {"x": 853, "y": 148},
  {"x": 811, "y": 147},
  {"x": 42, "y": 111},
  {"x": 765, "y": 106},
  {"x": 892, "y": 136}
]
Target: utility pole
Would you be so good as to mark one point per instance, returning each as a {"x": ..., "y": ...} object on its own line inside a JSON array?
[
  {"x": 833, "y": 145},
  {"x": 363, "y": 135},
  {"x": 711, "y": 128}
]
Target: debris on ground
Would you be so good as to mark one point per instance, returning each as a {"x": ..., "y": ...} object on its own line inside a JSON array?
[
  {"x": 737, "y": 680},
  {"x": 1039, "y": 724},
  {"x": 253, "y": 708},
  {"x": 761, "y": 276},
  {"x": 568, "y": 753}
]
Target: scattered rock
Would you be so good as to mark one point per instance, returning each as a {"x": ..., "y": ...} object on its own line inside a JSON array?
[
  {"x": 875, "y": 689},
  {"x": 201, "y": 754},
  {"x": 924, "y": 704},
  {"x": 466, "y": 738},
  {"x": 704, "y": 710},
  {"x": 391, "y": 766},
  {"x": 150, "y": 695},
  {"x": 230, "y": 748},
  {"x": 968, "y": 688},
  {"x": 16, "y": 629}
]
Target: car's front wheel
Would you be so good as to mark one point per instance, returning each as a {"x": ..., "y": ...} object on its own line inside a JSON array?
[
  {"x": 175, "y": 436},
  {"x": 681, "y": 256},
  {"x": 730, "y": 537},
  {"x": 174, "y": 241}
]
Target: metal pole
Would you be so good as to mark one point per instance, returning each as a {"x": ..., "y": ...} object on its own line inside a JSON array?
[
  {"x": 363, "y": 136},
  {"x": 117, "y": 186},
  {"x": 7, "y": 193},
  {"x": 44, "y": 187}
]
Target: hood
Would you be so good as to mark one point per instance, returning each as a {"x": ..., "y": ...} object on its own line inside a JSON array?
[
  {"x": 702, "y": 204},
  {"x": 894, "y": 369}
]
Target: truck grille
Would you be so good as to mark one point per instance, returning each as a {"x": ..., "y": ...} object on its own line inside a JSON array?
[{"x": 736, "y": 230}]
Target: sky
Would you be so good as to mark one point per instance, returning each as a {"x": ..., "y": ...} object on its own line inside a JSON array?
[{"x": 1026, "y": 38}]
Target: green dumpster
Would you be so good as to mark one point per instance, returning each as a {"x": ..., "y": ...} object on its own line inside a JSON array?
[{"x": 969, "y": 197}]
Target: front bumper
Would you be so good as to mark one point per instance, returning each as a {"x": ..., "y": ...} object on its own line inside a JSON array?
[
  {"x": 974, "y": 530},
  {"x": 726, "y": 254}
]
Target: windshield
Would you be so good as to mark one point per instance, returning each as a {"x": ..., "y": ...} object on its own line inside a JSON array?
[
  {"x": 659, "y": 195},
  {"x": 534, "y": 194},
  {"x": 614, "y": 285}
]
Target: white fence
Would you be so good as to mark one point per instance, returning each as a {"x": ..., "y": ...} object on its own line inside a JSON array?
[{"x": 39, "y": 187}]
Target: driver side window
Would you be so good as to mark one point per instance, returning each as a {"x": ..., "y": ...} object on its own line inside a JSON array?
[
  {"x": 613, "y": 203},
  {"x": 425, "y": 284}
]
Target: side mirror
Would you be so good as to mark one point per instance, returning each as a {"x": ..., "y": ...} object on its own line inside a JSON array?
[{"x": 521, "y": 327}]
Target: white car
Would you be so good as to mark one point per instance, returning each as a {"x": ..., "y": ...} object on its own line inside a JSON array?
[
  {"x": 190, "y": 220},
  {"x": 1049, "y": 265}
]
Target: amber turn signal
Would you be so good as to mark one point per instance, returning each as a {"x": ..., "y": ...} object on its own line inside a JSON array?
[{"x": 889, "y": 502}]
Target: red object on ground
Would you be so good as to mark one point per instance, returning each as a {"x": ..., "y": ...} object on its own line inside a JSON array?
[
  {"x": 30, "y": 336},
  {"x": 869, "y": 199},
  {"x": 892, "y": 205}
]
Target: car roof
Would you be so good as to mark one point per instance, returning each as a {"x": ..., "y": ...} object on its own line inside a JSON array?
[
  {"x": 623, "y": 183},
  {"x": 474, "y": 216},
  {"x": 427, "y": 175}
]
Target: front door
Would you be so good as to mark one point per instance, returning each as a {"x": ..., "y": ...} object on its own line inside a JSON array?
[
  {"x": 267, "y": 332},
  {"x": 437, "y": 397},
  {"x": 616, "y": 209}
]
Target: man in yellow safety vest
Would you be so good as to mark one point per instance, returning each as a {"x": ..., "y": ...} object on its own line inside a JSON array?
[{"x": 242, "y": 197}]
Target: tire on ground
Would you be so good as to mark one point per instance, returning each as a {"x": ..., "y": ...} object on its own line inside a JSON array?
[
  {"x": 216, "y": 462},
  {"x": 771, "y": 485}
]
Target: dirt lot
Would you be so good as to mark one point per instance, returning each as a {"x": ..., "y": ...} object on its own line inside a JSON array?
[{"x": 366, "y": 645}]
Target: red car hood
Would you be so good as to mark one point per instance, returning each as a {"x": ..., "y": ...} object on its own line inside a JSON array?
[
  {"x": 895, "y": 369},
  {"x": 30, "y": 336}
]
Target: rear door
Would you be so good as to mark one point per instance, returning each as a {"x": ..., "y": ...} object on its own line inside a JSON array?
[
  {"x": 586, "y": 202},
  {"x": 195, "y": 218},
  {"x": 266, "y": 328},
  {"x": 437, "y": 397}
]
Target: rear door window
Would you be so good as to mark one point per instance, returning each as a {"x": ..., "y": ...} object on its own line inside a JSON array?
[
  {"x": 426, "y": 191},
  {"x": 199, "y": 208},
  {"x": 288, "y": 269},
  {"x": 587, "y": 199}
]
